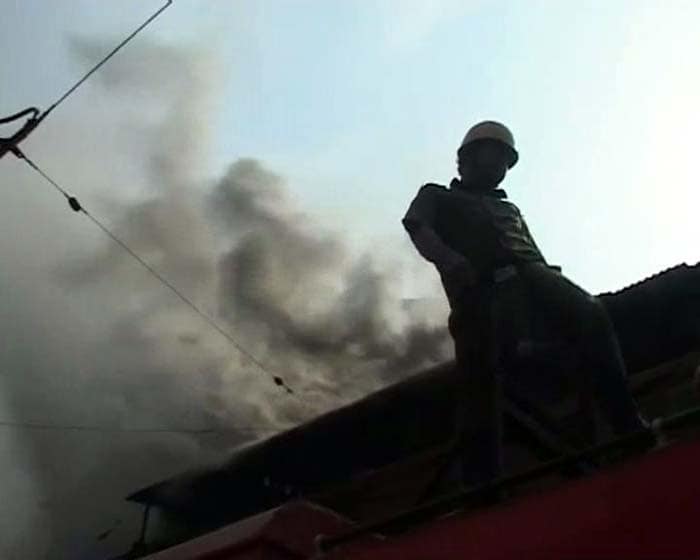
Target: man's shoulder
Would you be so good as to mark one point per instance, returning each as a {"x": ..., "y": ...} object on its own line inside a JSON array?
[
  {"x": 433, "y": 187},
  {"x": 430, "y": 190}
]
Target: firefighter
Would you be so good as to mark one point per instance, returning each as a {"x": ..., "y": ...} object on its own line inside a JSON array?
[{"x": 476, "y": 238}]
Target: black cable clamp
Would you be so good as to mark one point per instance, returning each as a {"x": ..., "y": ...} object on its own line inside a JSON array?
[{"x": 9, "y": 144}]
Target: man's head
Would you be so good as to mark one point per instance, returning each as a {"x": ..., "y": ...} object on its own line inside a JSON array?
[{"x": 486, "y": 154}]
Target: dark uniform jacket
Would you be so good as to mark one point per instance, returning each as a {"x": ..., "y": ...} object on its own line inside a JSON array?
[{"x": 454, "y": 226}]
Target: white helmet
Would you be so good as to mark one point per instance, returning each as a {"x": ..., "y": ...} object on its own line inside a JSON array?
[{"x": 492, "y": 130}]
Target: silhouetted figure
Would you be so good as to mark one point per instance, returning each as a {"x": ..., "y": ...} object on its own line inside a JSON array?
[{"x": 475, "y": 238}]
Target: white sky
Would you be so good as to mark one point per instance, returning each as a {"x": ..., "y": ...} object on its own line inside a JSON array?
[{"x": 358, "y": 103}]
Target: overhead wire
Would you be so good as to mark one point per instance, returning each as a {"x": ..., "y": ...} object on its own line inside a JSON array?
[
  {"x": 109, "y": 55},
  {"x": 44, "y": 426},
  {"x": 76, "y": 206},
  {"x": 12, "y": 145},
  {"x": 33, "y": 111}
]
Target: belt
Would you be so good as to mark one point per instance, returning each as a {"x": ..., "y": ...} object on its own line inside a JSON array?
[
  {"x": 496, "y": 275},
  {"x": 503, "y": 273}
]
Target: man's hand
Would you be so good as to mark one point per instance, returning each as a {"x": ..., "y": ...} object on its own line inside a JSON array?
[{"x": 458, "y": 278}]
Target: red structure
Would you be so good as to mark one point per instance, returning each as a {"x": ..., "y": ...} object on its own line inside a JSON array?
[
  {"x": 645, "y": 510},
  {"x": 378, "y": 459},
  {"x": 285, "y": 533}
]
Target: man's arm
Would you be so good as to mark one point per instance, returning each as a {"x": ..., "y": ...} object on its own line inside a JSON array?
[
  {"x": 432, "y": 248},
  {"x": 419, "y": 223},
  {"x": 532, "y": 240}
]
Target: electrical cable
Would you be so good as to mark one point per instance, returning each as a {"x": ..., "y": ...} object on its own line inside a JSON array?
[
  {"x": 11, "y": 144},
  {"x": 42, "y": 426},
  {"x": 76, "y": 206},
  {"x": 114, "y": 51},
  {"x": 33, "y": 111}
]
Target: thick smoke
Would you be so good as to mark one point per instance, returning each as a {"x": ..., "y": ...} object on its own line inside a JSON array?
[
  {"x": 90, "y": 339},
  {"x": 332, "y": 319}
]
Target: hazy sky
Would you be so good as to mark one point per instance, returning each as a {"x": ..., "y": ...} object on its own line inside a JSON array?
[
  {"x": 358, "y": 103},
  {"x": 354, "y": 104}
]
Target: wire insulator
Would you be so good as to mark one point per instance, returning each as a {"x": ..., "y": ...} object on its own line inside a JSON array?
[
  {"x": 74, "y": 204},
  {"x": 280, "y": 383}
]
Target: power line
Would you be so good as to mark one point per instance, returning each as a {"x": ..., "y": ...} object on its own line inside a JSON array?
[
  {"x": 41, "y": 426},
  {"x": 33, "y": 111},
  {"x": 106, "y": 58},
  {"x": 11, "y": 144},
  {"x": 76, "y": 206}
]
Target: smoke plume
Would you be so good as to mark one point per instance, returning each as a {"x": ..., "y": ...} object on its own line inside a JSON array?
[{"x": 90, "y": 339}]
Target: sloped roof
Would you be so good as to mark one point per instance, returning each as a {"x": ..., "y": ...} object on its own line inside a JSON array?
[
  {"x": 375, "y": 431},
  {"x": 658, "y": 318},
  {"x": 406, "y": 419}
]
